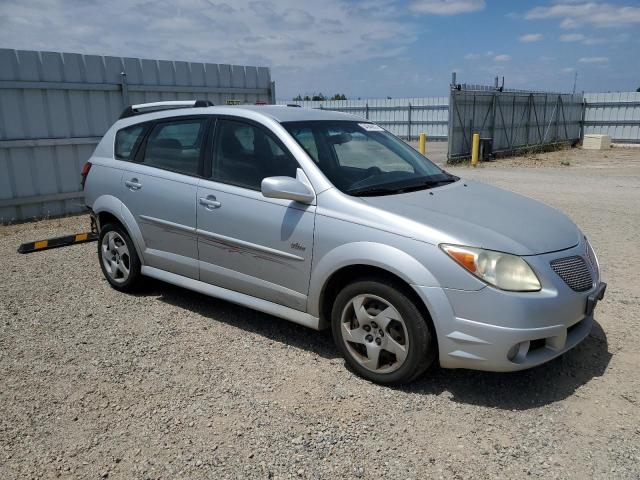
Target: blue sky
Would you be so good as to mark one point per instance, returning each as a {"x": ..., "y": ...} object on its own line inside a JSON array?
[{"x": 363, "y": 48}]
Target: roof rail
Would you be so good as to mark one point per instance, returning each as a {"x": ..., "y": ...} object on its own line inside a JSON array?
[{"x": 141, "y": 108}]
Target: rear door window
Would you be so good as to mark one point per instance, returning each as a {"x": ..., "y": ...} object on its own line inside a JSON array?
[{"x": 176, "y": 146}]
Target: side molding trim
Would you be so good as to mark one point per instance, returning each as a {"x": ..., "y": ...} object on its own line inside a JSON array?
[
  {"x": 259, "y": 304},
  {"x": 168, "y": 224},
  {"x": 253, "y": 246}
]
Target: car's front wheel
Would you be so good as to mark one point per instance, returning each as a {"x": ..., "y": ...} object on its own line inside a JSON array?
[
  {"x": 381, "y": 332},
  {"x": 118, "y": 257}
]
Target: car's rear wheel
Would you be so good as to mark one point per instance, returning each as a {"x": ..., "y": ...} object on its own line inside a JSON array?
[
  {"x": 118, "y": 257},
  {"x": 381, "y": 332}
]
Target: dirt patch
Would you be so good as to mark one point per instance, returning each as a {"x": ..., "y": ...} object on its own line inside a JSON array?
[{"x": 568, "y": 157}]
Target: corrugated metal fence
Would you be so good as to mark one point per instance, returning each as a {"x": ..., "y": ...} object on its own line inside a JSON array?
[
  {"x": 511, "y": 120},
  {"x": 615, "y": 114},
  {"x": 55, "y": 107},
  {"x": 404, "y": 117}
]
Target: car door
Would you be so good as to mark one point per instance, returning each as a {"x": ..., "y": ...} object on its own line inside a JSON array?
[
  {"x": 249, "y": 243},
  {"x": 160, "y": 190}
]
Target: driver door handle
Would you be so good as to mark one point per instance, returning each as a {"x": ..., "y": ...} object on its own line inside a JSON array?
[{"x": 209, "y": 202}]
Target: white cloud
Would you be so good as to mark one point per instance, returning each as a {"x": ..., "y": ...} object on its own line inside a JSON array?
[
  {"x": 488, "y": 54},
  {"x": 446, "y": 7},
  {"x": 530, "y": 37},
  {"x": 578, "y": 37},
  {"x": 596, "y": 60},
  {"x": 567, "y": 70},
  {"x": 283, "y": 33},
  {"x": 594, "y": 41},
  {"x": 572, "y": 37},
  {"x": 577, "y": 14}
]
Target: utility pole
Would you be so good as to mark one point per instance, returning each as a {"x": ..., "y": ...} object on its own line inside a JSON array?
[{"x": 575, "y": 80}]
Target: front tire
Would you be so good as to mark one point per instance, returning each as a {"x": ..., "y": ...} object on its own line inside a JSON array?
[
  {"x": 381, "y": 332},
  {"x": 118, "y": 258}
]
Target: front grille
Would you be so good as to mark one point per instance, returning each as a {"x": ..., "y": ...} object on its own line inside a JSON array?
[{"x": 574, "y": 272}]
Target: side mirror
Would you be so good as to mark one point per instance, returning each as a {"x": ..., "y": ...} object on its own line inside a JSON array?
[{"x": 287, "y": 188}]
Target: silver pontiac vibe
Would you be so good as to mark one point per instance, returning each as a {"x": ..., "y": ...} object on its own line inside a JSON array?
[{"x": 328, "y": 220}]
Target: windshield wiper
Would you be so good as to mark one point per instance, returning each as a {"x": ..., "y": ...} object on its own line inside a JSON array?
[
  {"x": 367, "y": 191},
  {"x": 388, "y": 190},
  {"x": 430, "y": 184}
]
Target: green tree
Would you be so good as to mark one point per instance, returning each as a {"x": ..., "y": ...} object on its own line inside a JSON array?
[
  {"x": 638, "y": 89},
  {"x": 298, "y": 98},
  {"x": 339, "y": 96},
  {"x": 318, "y": 97}
]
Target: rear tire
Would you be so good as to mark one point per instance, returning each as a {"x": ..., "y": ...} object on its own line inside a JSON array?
[
  {"x": 381, "y": 333},
  {"x": 118, "y": 258}
]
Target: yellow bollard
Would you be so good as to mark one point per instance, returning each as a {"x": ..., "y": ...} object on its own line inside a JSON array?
[
  {"x": 475, "y": 149},
  {"x": 423, "y": 144}
]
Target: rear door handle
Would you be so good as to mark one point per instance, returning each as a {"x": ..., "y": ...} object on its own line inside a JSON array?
[
  {"x": 133, "y": 184},
  {"x": 209, "y": 202}
]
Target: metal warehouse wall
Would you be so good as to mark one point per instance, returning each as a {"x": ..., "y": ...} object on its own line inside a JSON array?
[
  {"x": 404, "y": 117},
  {"x": 614, "y": 114},
  {"x": 55, "y": 107}
]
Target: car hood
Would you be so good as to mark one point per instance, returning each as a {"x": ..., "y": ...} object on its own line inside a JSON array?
[{"x": 479, "y": 215}]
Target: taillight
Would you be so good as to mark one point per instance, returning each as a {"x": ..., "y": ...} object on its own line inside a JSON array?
[{"x": 85, "y": 171}]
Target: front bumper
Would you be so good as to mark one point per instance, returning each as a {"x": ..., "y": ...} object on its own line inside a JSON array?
[
  {"x": 500, "y": 331},
  {"x": 487, "y": 347}
]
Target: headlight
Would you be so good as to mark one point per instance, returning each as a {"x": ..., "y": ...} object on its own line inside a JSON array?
[{"x": 502, "y": 270}]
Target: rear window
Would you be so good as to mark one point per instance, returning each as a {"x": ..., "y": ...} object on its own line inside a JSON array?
[{"x": 127, "y": 140}]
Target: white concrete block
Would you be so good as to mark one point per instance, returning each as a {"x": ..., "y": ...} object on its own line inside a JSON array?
[{"x": 594, "y": 141}]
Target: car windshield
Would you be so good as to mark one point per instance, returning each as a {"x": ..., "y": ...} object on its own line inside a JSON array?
[{"x": 361, "y": 158}]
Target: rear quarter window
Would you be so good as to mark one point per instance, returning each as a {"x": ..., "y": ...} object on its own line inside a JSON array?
[{"x": 127, "y": 141}]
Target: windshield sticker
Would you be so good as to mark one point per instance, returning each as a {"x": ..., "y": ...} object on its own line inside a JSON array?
[{"x": 370, "y": 127}]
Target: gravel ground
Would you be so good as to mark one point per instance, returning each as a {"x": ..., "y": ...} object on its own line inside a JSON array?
[{"x": 172, "y": 384}]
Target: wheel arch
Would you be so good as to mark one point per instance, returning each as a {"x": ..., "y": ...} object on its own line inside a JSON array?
[
  {"x": 108, "y": 207},
  {"x": 361, "y": 259}
]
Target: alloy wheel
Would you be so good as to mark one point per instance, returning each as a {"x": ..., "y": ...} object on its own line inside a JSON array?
[
  {"x": 375, "y": 333},
  {"x": 115, "y": 257}
]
